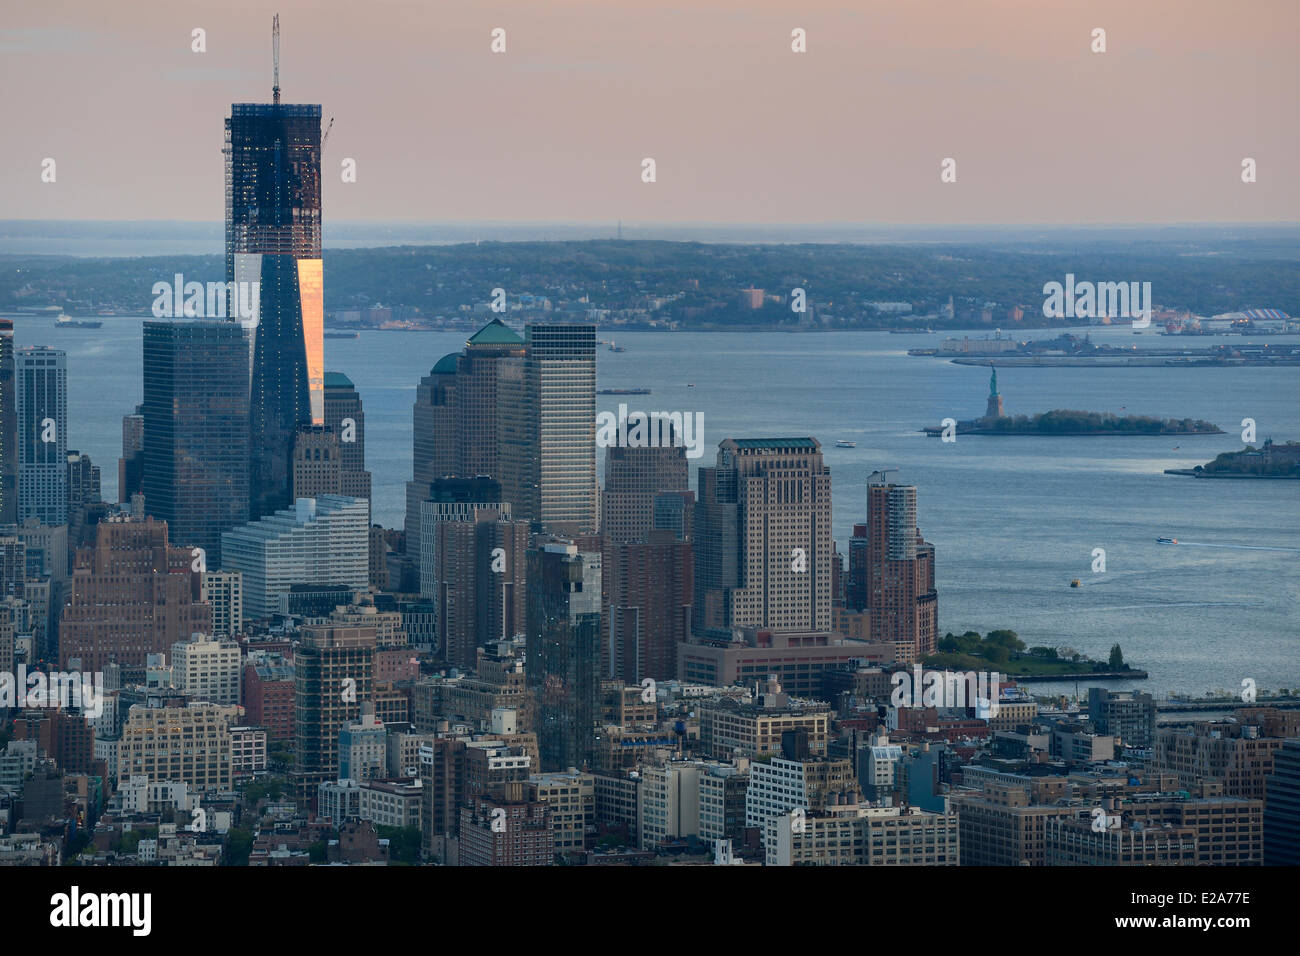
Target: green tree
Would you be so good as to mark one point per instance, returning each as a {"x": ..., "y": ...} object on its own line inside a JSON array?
[{"x": 1116, "y": 658}]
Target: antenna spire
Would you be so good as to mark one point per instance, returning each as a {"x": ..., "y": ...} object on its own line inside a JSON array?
[{"x": 275, "y": 56}]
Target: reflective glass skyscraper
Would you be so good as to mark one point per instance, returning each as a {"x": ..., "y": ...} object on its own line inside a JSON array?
[
  {"x": 42, "y": 434},
  {"x": 273, "y": 237},
  {"x": 195, "y": 471},
  {"x": 8, "y": 427}
]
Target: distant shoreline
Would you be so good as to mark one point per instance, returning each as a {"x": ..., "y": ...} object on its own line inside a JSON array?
[{"x": 1191, "y": 473}]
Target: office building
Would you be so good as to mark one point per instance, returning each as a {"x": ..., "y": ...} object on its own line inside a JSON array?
[
  {"x": 1127, "y": 715},
  {"x": 8, "y": 426},
  {"x": 363, "y": 746},
  {"x": 479, "y": 582},
  {"x": 346, "y": 417},
  {"x": 562, "y": 657},
  {"x": 548, "y": 467},
  {"x": 317, "y": 463},
  {"x": 130, "y": 467},
  {"x": 42, "y": 394},
  {"x": 333, "y": 669},
  {"x": 320, "y": 541},
  {"x": 891, "y": 571},
  {"x": 457, "y": 420},
  {"x": 859, "y": 835},
  {"x": 273, "y": 238},
  {"x": 650, "y": 584},
  {"x": 571, "y": 797},
  {"x": 130, "y": 595},
  {"x": 195, "y": 430},
  {"x": 83, "y": 485},
  {"x": 1282, "y": 807},
  {"x": 634, "y": 477},
  {"x": 506, "y": 828},
  {"x": 223, "y": 592},
  {"x": 763, "y": 538},
  {"x": 187, "y": 744},
  {"x": 207, "y": 669}
]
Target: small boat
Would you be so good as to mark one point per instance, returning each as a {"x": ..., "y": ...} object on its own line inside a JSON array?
[
  {"x": 1076, "y": 583},
  {"x": 1166, "y": 540},
  {"x": 690, "y": 384},
  {"x": 846, "y": 444},
  {"x": 615, "y": 348},
  {"x": 622, "y": 391}
]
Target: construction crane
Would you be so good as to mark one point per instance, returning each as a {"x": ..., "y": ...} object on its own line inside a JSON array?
[
  {"x": 327, "y": 134},
  {"x": 275, "y": 57}
]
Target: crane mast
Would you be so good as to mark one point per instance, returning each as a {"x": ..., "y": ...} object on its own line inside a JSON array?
[{"x": 275, "y": 57}]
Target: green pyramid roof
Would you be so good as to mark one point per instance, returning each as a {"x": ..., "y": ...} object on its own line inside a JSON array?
[{"x": 495, "y": 332}]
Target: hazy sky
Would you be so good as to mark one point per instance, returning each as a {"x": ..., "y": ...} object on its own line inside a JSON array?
[{"x": 742, "y": 129}]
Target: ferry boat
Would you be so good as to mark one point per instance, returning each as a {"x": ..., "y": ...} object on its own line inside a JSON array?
[
  {"x": 615, "y": 348},
  {"x": 846, "y": 444},
  {"x": 1166, "y": 540}
]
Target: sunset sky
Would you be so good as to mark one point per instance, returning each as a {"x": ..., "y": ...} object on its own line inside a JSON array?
[{"x": 742, "y": 129}]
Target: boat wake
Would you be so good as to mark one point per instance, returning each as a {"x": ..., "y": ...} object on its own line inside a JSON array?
[{"x": 1235, "y": 547}]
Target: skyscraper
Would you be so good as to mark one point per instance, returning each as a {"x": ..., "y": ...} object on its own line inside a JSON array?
[
  {"x": 562, "y": 651},
  {"x": 131, "y": 463},
  {"x": 8, "y": 427},
  {"x": 42, "y": 434},
  {"x": 322, "y": 540},
  {"x": 346, "y": 417},
  {"x": 195, "y": 430},
  {"x": 479, "y": 588},
  {"x": 548, "y": 450},
  {"x": 651, "y": 590},
  {"x": 763, "y": 537},
  {"x": 317, "y": 464},
  {"x": 273, "y": 238},
  {"x": 891, "y": 571},
  {"x": 457, "y": 426},
  {"x": 634, "y": 476},
  {"x": 333, "y": 674},
  {"x": 131, "y": 595}
]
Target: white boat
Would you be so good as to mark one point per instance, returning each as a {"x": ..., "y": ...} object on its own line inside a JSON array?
[{"x": 846, "y": 444}]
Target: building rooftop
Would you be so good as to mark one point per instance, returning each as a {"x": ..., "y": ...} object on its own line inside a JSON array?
[
  {"x": 495, "y": 332},
  {"x": 769, "y": 443},
  {"x": 446, "y": 365}
]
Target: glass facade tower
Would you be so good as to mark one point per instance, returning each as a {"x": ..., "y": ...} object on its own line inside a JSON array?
[{"x": 273, "y": 238}]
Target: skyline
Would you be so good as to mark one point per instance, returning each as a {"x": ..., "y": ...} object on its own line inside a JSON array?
[
  {"x": 729, "y": 127},
  {"x": 384, "y": 580}
]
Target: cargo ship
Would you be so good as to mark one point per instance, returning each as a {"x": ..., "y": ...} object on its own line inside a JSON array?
[{"x": 65, "y": 321}]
